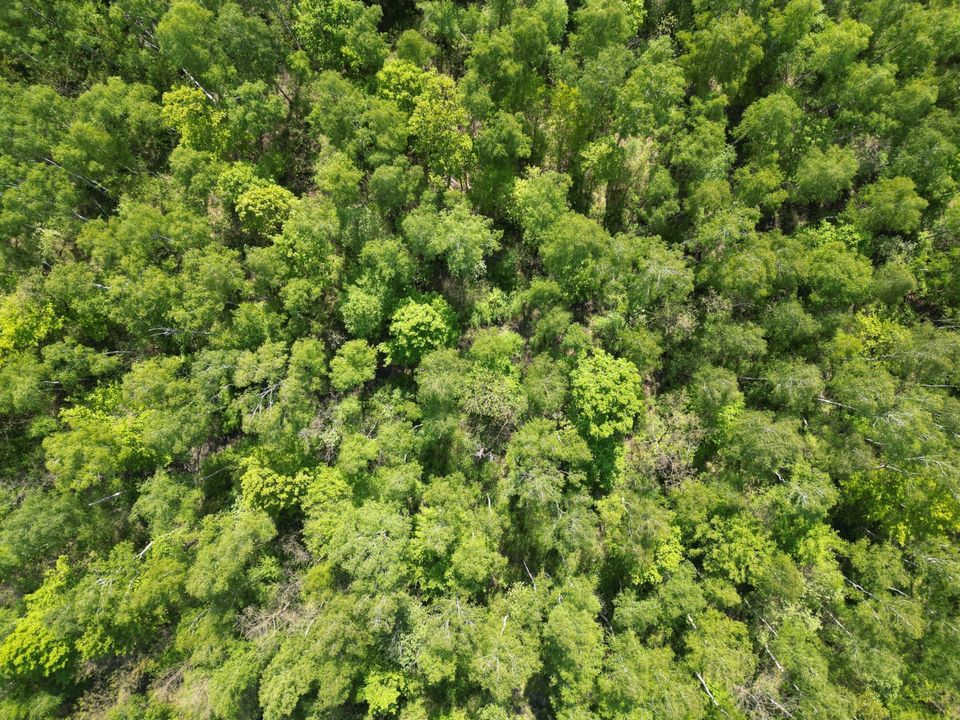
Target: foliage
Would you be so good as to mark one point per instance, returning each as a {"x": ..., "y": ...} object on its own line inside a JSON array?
[
  {"x": 891, "y": 204},
  {"x": 460, "y": 236},
  {"x": 824, "y": 175},
  {"x": 607, "y": 395},
  {"x": 435, "y": 360},
  {"x": 438, "y": 125},
  {"x": 416, "y": 328},
  {"x": 340, "y": 33},
  {"x": 354, "y": 364},
  {"x": 263, "y": 209}
]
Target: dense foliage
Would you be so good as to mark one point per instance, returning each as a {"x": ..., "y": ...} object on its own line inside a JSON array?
[{"x": 518, "y": 359}]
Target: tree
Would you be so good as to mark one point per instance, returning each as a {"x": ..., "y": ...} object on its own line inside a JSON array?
[
  {"x": 265, "y": 489},
  {"x": 761, "y": 446},
  {"x": 33, "y": 649},
  {"x": 601, "y": 23},
  {"x": 573, "y": 646},
  {"x": 759, "y": 184},
  {"x": 822, "y": 176},
  {"x": 724, "y": 52},
  {"x": 539, "y": 200},
  {"x": 890, "y": 205},
  {"x": 263, "y": 208},
  {"x": 402, "y": 82},
  {"x": 394, "y": 186},
  {"x": 438, "y": 125},
  {"x": 417, "y": 328},
  {"x": 837, "y": 276},
  {"x": 183, "y": 35},
  {"x": 794, "y": 385},
  {"x": 643, "y": 546},
  {"x": 454, "y": 543},
  {"x": 648, "y": 101},
  {"x": 368, "y": 548},
  {"x": 547, "y": 468},
  {"x": 607, "y": 395},
  {"x": 354, "y": 364},
  {"x": 507, "y": 644},
  {"x": 252, "y": 112},
  {"x": 575, "y": 251},
  {"x": 341, "y": 32},
  {"x": 746, "y": 272},
  {"x": 636, "y": 679},
  {"x": 114, "y": 132},
  {"x": 229, "y": 544},
  {"x": 770, "y": 123},
  {"x": 738, "y": 548},
  {"x": 460, "y": 236},
  {"x": 501, "y": 146},
  {"x": 833, "y": 49},
  {"x": 94, "y": 450},
  {"x": 720, "y": 653}
]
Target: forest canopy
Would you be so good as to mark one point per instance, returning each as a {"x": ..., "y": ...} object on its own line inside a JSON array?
[{"x": 448, "y": 360}]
